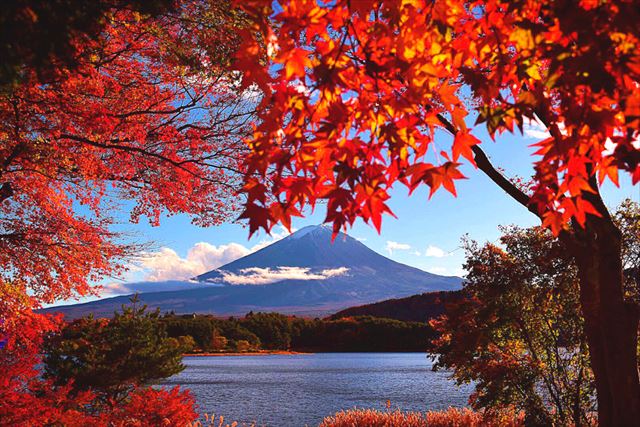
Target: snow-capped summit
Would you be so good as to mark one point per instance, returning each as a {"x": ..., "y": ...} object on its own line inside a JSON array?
[{"x": 317, "y": 230}]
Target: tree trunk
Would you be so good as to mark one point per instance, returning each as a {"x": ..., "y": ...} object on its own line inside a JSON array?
[{"x": 611, "y": 324}]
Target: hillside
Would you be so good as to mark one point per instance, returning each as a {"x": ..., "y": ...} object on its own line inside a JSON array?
[{"x": 416, "y": 308}]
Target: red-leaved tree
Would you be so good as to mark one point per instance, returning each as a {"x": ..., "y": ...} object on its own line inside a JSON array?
[
  {"x": 142, "y": 111},
  {"x": 356, "y": 90},
  {"x": 150, "y": 116}
]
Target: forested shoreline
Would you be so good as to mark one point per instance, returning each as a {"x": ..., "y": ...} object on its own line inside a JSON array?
[{"x": 273, "y": 331}]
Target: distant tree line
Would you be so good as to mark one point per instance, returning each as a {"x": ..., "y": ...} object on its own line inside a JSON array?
[
  {"x": 273, "y": 331},
  {"x": 415, "y": 308}
]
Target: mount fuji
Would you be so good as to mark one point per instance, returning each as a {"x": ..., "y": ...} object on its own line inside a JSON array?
[{"x": 303, "y": 274}]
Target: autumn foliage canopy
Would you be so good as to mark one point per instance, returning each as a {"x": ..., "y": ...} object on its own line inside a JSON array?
[
  {"x": 134, "y": 110},
  {"x": 148, "y": 118},
  {"x": 360, "y": 96},
  {"x": 356, "y": 92}
]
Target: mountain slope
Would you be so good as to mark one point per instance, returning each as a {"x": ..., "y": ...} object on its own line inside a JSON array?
[
  {"x": 311, "y": 247},
  {"x": 304, "y": 273},
  {"x": 416, "y": 308}
]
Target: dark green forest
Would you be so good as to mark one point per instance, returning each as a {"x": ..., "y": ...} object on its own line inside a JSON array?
[
  {"x": 273, "y": 331},
  {"x": 415, "y": 308}
]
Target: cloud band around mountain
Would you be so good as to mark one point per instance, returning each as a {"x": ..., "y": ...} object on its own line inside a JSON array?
[{"x": 265, "y": 276}]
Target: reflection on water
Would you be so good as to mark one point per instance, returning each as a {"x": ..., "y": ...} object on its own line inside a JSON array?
[{"x": 299, "y": 390}]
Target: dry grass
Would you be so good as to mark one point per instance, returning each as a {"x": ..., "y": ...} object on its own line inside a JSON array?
[
  {"x": 452, "y": 417},
  {"x": 213, "y": 421}
]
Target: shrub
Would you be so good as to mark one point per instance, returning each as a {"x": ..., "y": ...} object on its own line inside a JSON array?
[
  {"x": 150, "y": 407},
  {"x": 452, "y": 417}
]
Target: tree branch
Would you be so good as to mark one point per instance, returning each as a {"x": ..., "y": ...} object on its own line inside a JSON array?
[
  {"x": 484, "y": 164},
  {"x": 6, "y": 191}
]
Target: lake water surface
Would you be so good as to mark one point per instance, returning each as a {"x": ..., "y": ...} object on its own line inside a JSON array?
[{"x": 300, "y": 390}]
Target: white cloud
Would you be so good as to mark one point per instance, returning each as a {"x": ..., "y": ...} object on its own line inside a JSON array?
[
  {"x": 460, "y": 272},
  {"x": 536, "y": 130},
  {"x": 444, "y": 271},
  {"x": 113, "y": 288},
  {"x": 166, "y": 264},
  {"x": 395, "y": 246},
  {"x": 263, "y": 276},
  {"x": 333, "y": 272},
  {"x": 434, "y": 251}
]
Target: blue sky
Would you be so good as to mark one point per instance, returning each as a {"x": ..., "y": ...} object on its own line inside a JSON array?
[{"x": 426, "y": 233}]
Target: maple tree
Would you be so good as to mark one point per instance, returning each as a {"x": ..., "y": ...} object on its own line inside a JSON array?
[
  {"x": 518, "y": 333},
  {"x": 127, "y": 110},
  {"x": 356, "y": 91},
  {"x": 148, "y": 118}
]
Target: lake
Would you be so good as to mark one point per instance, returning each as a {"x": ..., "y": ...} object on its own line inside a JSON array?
[{"x": 299, "y": 390}]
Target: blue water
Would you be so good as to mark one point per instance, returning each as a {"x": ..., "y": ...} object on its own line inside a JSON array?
[{"x": 300, "y": 390}]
